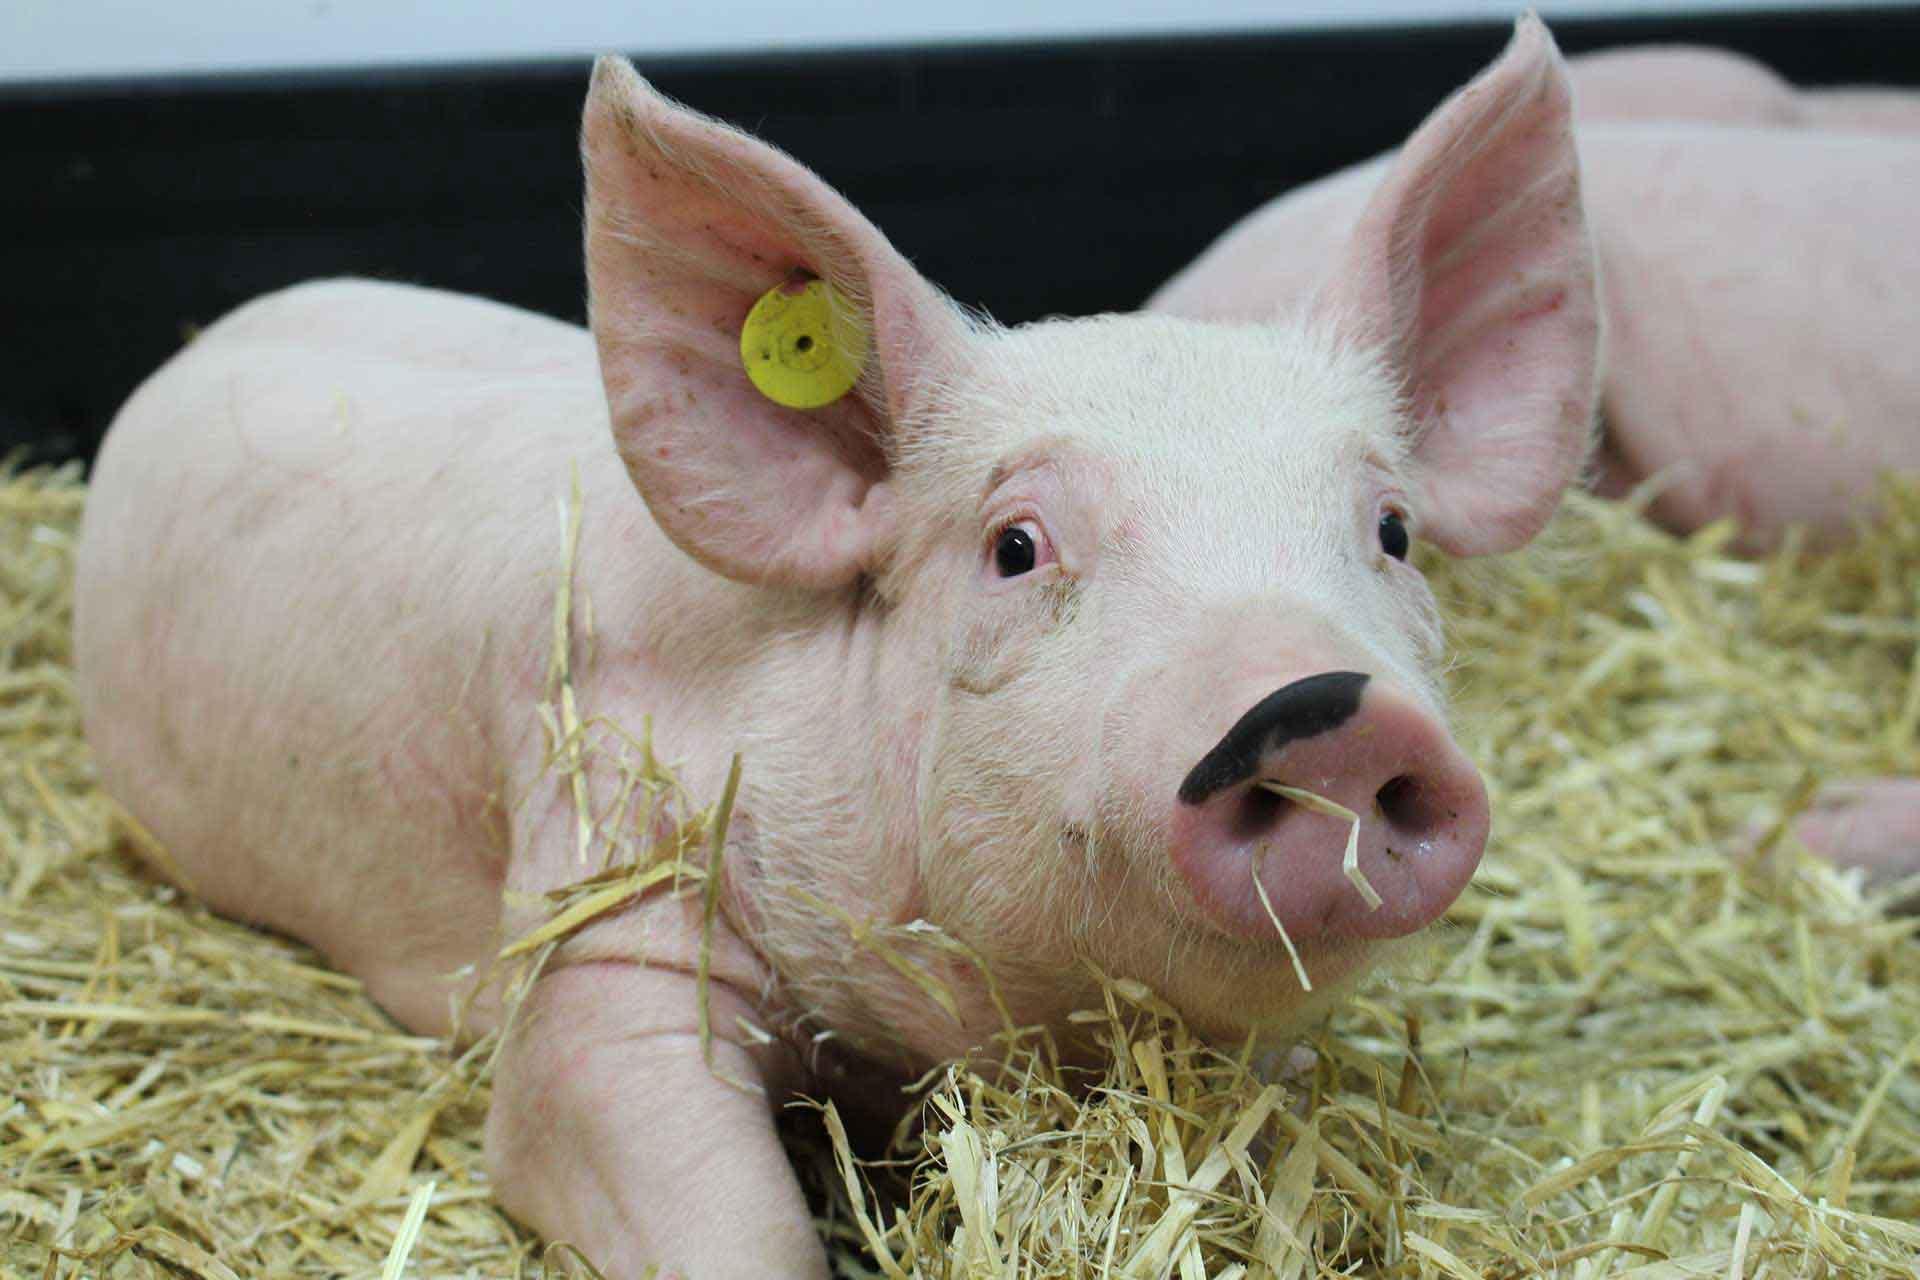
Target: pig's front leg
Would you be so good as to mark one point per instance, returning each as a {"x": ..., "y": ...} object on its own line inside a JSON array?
[{"x": 610, "y": 1132}]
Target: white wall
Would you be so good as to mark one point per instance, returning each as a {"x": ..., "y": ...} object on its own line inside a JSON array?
[{"x": 60, "y": 38}]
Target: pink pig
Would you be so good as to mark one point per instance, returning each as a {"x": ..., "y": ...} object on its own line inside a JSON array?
[
  {"x": 1010, "y": 637},
  {"x": 1760, "y": 274}
]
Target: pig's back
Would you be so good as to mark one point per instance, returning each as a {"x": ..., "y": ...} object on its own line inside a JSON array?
[
  {"x": 1762, "y": 294},
  {"x": 1763, "y": 308},
  {"x": 310, "y": 539}
]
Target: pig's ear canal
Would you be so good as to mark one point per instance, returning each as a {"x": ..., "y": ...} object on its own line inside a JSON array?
[
  {"x": 1473, "y": 266},
  {"x": 689, "y": 224}
]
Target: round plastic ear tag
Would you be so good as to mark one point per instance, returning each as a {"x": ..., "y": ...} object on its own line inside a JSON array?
[{"x": 802, "y": 345}]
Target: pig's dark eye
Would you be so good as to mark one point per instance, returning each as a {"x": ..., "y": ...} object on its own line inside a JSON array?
[
  {"x": 1014, "y": 552},
  {"x": 1393, "y": 534}
]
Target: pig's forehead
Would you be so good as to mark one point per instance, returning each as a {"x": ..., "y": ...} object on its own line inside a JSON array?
[{"x": 1180, "y": 396}]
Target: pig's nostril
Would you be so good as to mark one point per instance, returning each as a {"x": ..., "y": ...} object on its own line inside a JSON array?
[
  {"x": 1256, "y": 812},
  {"x": 1408, "y": 806}
]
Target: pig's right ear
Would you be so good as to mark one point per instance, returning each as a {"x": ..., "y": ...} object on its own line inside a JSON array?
[
  {"x": 689, "y": 223},
  {"x": 1473, "y": 267}
]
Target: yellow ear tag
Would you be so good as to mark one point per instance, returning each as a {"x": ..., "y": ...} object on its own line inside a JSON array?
[{"x": 802, "y": 345}]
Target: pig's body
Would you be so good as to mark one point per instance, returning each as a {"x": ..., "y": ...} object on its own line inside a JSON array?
[
  {"x": 406, "y": 781},
  {"x": 1016, "y": 638},
  {"x": 309, "y": 431},
  {"x": 324, "y": 704},
  {"x": 1759, "y": 272}
]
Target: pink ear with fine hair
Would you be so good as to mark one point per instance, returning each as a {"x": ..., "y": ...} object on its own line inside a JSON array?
[
  {"x": 1473, "y": 267},
  {"x": 689, "y": 223}
]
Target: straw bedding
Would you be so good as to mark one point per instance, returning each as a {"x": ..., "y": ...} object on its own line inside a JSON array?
[{"x": 1625, "y": 1053}]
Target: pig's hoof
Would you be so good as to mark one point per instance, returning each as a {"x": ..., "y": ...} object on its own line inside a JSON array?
[{"x": 1873, "y": 824}]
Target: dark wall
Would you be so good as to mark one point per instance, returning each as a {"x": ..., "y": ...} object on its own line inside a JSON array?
[{"x": 1027, "y": 180}]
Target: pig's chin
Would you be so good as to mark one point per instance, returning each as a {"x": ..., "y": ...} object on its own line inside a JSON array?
[{"x": 1229, "y": 990}]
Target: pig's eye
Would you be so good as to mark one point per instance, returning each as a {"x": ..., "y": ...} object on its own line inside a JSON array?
[
  {"x": 1016, "y": 550},
  {"x": 1393, "y": 534}
]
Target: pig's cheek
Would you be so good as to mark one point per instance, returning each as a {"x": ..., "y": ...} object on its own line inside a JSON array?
[
  {"x": 974, "y": 665},
  {"x": 1080, "y": 801},
  {"x": 994, "y": 647}
]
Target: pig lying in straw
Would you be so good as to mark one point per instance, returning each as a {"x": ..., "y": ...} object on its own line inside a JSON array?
[
  {"x": 1760, "y": 283},
  {"x": 1016, "y": 637}
]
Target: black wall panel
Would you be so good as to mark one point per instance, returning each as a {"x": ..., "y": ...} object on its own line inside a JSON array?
[{"x": 1027, "y": 180}]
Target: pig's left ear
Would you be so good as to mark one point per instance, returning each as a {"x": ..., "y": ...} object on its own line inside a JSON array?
[
  {"x": 1474, "y": 267},
  {"x": 689, "y": 223}
]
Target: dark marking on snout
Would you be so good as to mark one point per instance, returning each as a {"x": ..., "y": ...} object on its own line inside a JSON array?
[{"x": 1303, "y": 709}]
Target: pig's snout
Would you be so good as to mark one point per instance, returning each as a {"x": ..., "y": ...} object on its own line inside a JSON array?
[
  {"x": 1303, "y": 709},
  {"x": 1356, "y": 742}
]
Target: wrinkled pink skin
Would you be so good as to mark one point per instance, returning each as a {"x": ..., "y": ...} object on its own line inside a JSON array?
[
  {"x": 1760, "y": 274},
  {"x": 314, "y": 614}
]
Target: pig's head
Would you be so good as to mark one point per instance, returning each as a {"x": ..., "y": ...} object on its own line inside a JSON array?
[{"x": 1134, "y": 571}]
